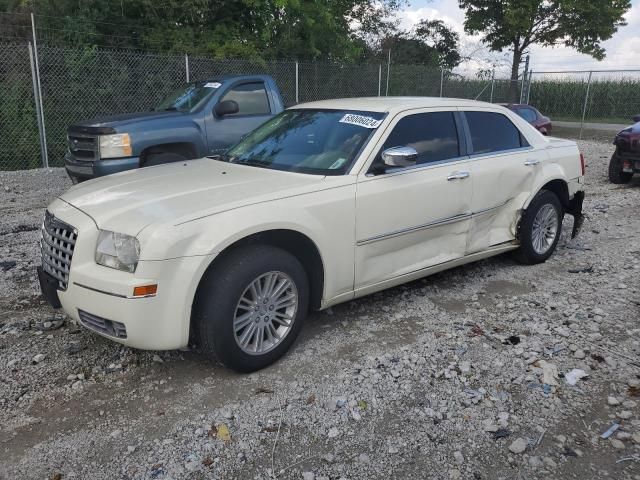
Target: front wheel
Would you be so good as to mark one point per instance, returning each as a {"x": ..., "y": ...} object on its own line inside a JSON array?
[
  {"x": 540, "y": 228},
  {"x": 616, "y": 174},
  {"x": 162, "y": 158},
  {"x": 250, "y": 308}
]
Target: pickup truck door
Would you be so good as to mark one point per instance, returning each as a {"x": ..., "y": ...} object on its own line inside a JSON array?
[
  {"x": 411, "y": 218},
  {"x": 255, "y": 108},
  {"x": 504, "y": 168}
]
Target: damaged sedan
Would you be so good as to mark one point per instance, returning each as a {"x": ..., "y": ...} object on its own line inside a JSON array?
[{"x": 326, "y": 202}]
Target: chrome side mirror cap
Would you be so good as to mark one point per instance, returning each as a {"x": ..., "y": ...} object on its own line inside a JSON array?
[{"x": 400, "y": 157}]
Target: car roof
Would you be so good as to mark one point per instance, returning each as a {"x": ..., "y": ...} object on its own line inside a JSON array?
[
  {"x": 390, "y": 104},
  {"x": 226, "y": 78}
]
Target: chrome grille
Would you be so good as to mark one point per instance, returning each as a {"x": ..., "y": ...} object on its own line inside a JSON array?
[
  {"x": 57, "y": 244},
  {"x": 83, "y": 146},
  {"x": 102, "y": 325}
]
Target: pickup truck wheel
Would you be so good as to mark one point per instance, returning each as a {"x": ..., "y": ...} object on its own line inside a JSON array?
[
  {"x": 250, "y": 308},
  {"x": 616, "y": 175},
  {"x": 540, "y": 228},
  {"x": 162, "y": 158}
]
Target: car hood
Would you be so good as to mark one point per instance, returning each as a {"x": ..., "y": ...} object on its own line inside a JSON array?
[
  {"x": 123, "y": 119},
  {"x": 127, "y": 202}
]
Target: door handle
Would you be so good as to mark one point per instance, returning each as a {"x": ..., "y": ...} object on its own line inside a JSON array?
[
  {"x": 531, "y": 162},
  {"x": 457, "y": 176}
]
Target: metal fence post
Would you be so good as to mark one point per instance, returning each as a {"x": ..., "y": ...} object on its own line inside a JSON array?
[
  {"x": 493, "y": 81},
  {"x": 297, "y": 84},
  {"x": 35, "y": 70},
  {"x": 584, "y": 108},
  {"x": 379, "y": 79},
  {"x": 388, "y": 70},
  {"x": 186, "y": 66},
  {"x": 529, "y": 87},
  {"x": 441, "y": 80}
]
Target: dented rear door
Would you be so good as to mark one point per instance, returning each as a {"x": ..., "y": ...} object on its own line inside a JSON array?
[{"x": 504, "y": 167}]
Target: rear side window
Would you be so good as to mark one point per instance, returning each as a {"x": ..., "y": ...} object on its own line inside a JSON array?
[
  {"x": 433, "y": 135},
  {"x": 251, "y": 98},
  {"x": 493, "y": 132}
]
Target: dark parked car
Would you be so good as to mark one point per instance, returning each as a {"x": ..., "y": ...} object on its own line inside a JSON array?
[
  {"x": 531, "y": 115},
  {"x": 625, "y": 161},
  {"x": 201, "y": 118}
]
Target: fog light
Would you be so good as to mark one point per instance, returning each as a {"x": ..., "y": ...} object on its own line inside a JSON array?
[{"x": 145, "y": 290}]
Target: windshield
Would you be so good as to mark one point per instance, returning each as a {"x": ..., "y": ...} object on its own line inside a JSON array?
[
  {"x": 188, "y": 98},
  {"x": 308, "y": 141}
]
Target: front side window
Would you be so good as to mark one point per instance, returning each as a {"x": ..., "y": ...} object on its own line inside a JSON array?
[
  {"x": 189, "y": 98},
  {"x": 526, "y": 113},
  {"x": 324, "y": 142},
  {"x": 433, "y": 135},
  {"x": 250, "y": 97},
  {"x": 493, "y": 132}
]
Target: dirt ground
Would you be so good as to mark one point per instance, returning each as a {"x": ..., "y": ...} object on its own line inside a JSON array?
[{"x": 449, "y": 377}]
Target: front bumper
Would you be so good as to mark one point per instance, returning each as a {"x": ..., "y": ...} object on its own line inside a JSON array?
[
  {"x": 159, "y": 322},
  {"x": 86, "y": 170}
]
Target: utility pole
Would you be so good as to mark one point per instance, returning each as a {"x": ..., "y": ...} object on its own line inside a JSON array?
[{"x": 524, "y": 78}]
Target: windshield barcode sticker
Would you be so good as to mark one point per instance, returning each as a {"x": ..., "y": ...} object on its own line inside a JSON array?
[
  {"x": 212, "y": 85},
  {"x": 360, "y": 120}
]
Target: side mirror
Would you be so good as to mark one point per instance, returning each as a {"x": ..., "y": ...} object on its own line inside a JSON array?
[
  {"x": 636, "y": 118},
  {"x": 400, "y": 157},
  {"x": 226, "y": 107}
]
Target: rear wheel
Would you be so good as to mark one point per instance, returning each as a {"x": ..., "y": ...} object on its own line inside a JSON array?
[
  {"x": 162, "y": 158},
  {"x": 616, "y": 175},
  {"x": 250, "y": 308},
  {"x": 540, "y": 228}
]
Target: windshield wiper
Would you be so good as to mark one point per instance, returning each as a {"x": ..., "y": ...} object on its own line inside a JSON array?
[
  {"x": 170, "y": 109},
  {"x": 255, "y": 163}
]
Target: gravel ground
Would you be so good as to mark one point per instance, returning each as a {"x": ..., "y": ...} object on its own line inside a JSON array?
[{"x": 463, "y": 375}]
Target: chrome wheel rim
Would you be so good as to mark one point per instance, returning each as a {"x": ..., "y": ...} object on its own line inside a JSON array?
[
  {"x": 545, "y": 229},
  {"x": 265, "y": 313}
]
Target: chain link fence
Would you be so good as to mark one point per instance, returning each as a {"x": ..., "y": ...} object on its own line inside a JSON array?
[
  {"x": 19, "y": 140},
  {"x": 78, "y": 84}
]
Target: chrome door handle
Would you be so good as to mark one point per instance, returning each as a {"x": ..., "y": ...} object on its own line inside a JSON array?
[
  {"x": 531, "y": 162},
  {"x": 457, "y": 175}
]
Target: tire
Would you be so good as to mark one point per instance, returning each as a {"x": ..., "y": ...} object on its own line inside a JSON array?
[
  {"x": 217, "y": 305},
  {"x": 616, "y": 175},
  {"x": 544, "y": 207},
  {"x": 162, "y": 158}
]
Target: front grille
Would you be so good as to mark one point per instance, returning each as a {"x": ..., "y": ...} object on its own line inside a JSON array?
[
  {"x": 102, "y": 325},
  {"x": 83, "y": 146},
  {"x": 57, "y": 244}
]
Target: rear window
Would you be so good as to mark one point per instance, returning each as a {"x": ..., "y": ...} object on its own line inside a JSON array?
[{"x": 493, "y": 132}]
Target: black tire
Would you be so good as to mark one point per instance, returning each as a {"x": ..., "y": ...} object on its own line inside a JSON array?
[
  {"x": 162, "y": 158},
  {"x": 217, "y": 299},
  {"x": 527, "y": 254},
  {"x": 616, "y": 175}
]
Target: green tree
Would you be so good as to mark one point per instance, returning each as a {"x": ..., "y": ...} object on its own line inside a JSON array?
[
  {"x": 518, "y": 24},
  {"x": 431, "y": 43}
]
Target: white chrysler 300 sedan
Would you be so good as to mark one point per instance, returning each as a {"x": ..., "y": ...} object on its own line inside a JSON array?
[{"x": 326, "y": 202}]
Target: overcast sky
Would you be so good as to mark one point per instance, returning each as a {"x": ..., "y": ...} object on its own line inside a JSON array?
[{"x": 623, "y": 49}]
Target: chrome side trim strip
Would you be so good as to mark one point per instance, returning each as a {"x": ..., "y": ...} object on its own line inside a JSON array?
[
  {"x": 111, "y": 293},
  {"x": 404, "y": 231},
  {"x": 436, "y": 223}
]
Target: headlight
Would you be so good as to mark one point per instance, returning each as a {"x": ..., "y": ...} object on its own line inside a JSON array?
[
  {"x": 115, "y": 146},
  {"x": 117, "y": 250}
]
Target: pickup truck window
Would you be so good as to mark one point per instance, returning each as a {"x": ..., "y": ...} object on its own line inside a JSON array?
[
  {"x": 433, "y": 135},
  {"x": 493, "y": 132},
  {"x": 323, "y": 142},
  {"x": 251, "y": 98},
  {"x": 189, "y": 98}
]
